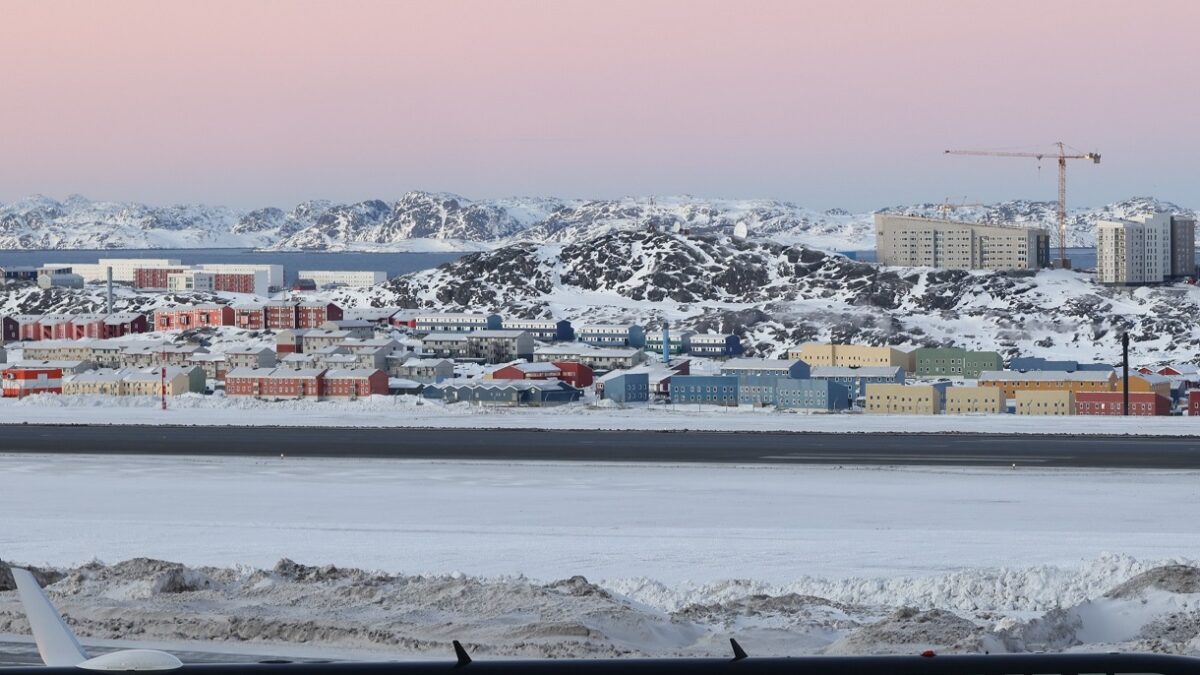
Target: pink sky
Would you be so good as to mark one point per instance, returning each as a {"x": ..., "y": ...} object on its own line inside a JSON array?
[{"x": 826, "y": 104}]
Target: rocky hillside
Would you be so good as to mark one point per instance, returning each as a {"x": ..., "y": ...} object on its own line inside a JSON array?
[
  {"x": 431, "y": 221},
  {"x": 776, "y": 295},
  {"x": 772, "y": 295}
]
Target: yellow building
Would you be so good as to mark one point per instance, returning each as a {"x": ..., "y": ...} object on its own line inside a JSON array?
[
  {"x": 1149, "y": 383},
  {"x": 136, "y": 382},
  {"x": 1011, "y": 381},
  {"x": 974, "y": 400},
  {"x": 899, "y": 399},
  {"x": 852, "y": 356},
  {"x": 1052, "y": 402}
]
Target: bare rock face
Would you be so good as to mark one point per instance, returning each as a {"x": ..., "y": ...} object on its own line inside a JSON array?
[{"x": 45, "y": 577}]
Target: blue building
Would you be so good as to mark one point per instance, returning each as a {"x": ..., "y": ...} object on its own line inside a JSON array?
[
  {"x": 757, "y": 377},
  {"x": 722, "y": 344},
  {"x": 1034, "y": 363},
  {"x": 793, "y": 368},
  {"x": 546, "y": 330},
  {"x": 855, "y": 380},
  {"x": 823, "y": 395},
  {"x": 503, "y": 392},
  {"x": 625, "y": 387},
  {"x": 705, "y": 389},
  {"x": 681, "y": 342},
  {"x": 611, "y": 335}
]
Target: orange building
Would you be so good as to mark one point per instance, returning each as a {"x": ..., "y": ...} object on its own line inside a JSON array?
[{"x": 1012, "y": 381}]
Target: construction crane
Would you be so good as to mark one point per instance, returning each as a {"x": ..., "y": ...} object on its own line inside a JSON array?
[{"x": 1062, "y": 157}]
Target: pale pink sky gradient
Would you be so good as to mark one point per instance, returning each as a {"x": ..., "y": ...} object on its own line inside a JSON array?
[{"x": 824, "y": 103}]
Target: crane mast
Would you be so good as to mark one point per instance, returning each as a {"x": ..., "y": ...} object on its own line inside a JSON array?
[{"x": 1062, "y": 157}]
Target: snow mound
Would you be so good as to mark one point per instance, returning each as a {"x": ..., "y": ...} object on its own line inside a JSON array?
[
  {"x": 910, "y": 630},
  {"x": 1169, "y": 578},
  {"x": 348, "y": 608}
]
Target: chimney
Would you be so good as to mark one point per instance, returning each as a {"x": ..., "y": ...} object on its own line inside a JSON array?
[
  {"x": 109, "y": 295},
  {"x": 666, "y": 341}
]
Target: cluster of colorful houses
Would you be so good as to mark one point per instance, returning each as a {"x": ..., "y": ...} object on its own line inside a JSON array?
[{"x": 322, "y": 351}]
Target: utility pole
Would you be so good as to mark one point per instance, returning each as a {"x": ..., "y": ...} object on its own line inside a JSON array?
[
  {"x": 162, "y": 387},
  {"x": 1125, "y": 373}
]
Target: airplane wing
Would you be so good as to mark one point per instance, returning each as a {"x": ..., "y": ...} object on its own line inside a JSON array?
[{"x": 55, "y": 641}]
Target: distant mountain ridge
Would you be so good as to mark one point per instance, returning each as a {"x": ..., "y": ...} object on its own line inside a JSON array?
[{"x": 442, "y": 221}]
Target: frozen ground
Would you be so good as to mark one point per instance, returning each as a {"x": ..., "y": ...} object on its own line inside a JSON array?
[
  {"x": 413, "y": 412},
  {"x": 792, "y": 559}
]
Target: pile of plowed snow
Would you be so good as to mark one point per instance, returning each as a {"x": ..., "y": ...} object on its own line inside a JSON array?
[{"x": 1147, "y": 608}]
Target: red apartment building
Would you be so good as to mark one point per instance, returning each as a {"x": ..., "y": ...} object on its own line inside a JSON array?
[
  {"x": 354, "y": 383},
  {"x": 1112, "y": 403},
  {"x": 153, "y": 278},
  {"x": 185, "y": 317},
  {"x": 274, "y": 382},
  {"x": 250, "y": 317},
  {"x": 575, "y": 374}
]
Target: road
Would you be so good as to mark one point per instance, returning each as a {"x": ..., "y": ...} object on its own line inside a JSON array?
[{"x": 616, "y": 446}]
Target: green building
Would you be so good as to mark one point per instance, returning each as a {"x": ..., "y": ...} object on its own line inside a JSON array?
[{"x": 955, "y": 362}]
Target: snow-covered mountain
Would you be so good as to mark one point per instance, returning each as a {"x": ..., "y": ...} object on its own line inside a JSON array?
[{"x": 438, "y": 221}]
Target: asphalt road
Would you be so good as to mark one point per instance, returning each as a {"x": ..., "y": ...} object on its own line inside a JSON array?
[{"x": 616, "y": 446}]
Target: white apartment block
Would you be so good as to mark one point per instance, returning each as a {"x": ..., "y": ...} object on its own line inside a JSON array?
[
  {"x": 349, "y": 278},
  {"x": 122, "y": 268},
  {"x": 909, "y": 241},
  {"x": 1140, "y": 250},
  {"x": 274, "y": 272},
  {"x": 191, "y": 280}
]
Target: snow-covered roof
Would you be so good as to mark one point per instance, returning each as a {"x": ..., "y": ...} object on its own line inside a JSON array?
[
  {"x": 249, "y": 350},
  {"x": 1046, "y": 376},
  {"x": 1153, "y": 378},
  {"x": 153, "y": 375},
  {"x": 603, "y": 328},
  {"x": 351, "y": 323},
  {"x": 297, "y": 358},
  {"x": 503, "y": 334},
  {"x": 106, "y": 375},
  {"x": 433, "y": 318},
  {"x": 321, "y": 333},
  {"x": 402, "y": 383},
  {"x": 495, "y": 384},
  {"x": 33, "y": 363},
  {"x": 189, "y": 308},
  {"x": 846, "y": 371},
  {"x": 277, "y": 373},
  {"x": 121, "y": 317},
  {"x": 164, "y": 349},
  {"x": 445, "y": 337},
  {"x": 413, "y": 362},
  {"x": 350, "y": 373},
  {"x": 538, "y": 367},
  {"x": 249, "y": 306},
  {"x": 580, "y": 349},
  {"x": 759, "y": 364}
]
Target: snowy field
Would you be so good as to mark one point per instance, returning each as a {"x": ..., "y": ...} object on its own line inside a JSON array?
[
  {"x": 672, "y": 524},
  {"x": 794, "y": 559},
  {"x": 413, "y": 412}
]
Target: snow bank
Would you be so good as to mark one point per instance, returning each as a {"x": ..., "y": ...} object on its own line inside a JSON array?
[{"x": 292, "y": 604}]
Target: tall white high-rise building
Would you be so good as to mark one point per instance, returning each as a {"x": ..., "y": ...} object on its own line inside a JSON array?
[{"x": 1135, "y": 251}]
